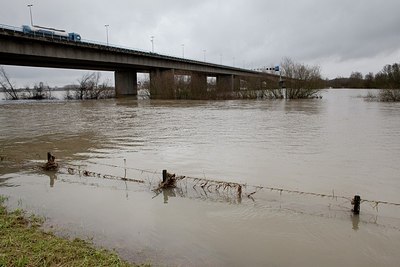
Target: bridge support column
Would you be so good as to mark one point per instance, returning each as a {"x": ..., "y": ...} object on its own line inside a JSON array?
[
  {"x": 198, "y": 86},
  {"x": 236, "y": 83},
  {"x": 225, "y": 83},
  {"x": 125, "y": 83},
  {"x": 228, "y": 83},
  {"x": 254, "y": 83},
  {"x": 162, "y": 84}
]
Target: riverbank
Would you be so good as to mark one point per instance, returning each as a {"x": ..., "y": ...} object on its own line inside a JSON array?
[{"x": 24, "y": 243}]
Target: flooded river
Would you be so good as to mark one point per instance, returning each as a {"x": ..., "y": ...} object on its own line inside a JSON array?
[{"x": 338, "y": 146}]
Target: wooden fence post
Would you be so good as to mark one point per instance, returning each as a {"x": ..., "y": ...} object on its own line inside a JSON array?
[
  {"x": 164, "y": 176},
  {"x": 356, "y": 202}
]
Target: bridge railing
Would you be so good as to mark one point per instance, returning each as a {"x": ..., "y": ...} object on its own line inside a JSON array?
[
  {"x": 11, "y": 28},
  {"x": 114, "y": 46}
]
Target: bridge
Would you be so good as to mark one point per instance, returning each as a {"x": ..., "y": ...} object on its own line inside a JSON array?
[{"x": 17, "y": 48}]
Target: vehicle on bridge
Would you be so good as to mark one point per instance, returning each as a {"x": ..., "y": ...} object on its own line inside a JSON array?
[{"x": 51, "y": 32}]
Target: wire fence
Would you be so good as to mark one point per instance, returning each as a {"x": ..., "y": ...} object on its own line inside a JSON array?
[
  {"x": 198, "y": 182},
  {"x": 218, "y": 184}
]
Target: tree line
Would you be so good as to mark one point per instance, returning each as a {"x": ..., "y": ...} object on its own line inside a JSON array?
[{"x": 387, "y": 78}]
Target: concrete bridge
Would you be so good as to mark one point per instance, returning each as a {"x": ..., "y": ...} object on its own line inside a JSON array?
[{"x": 17, "y": 48}]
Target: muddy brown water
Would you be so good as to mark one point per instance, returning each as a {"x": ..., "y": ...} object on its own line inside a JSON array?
[{"x": 340, "y": 145}]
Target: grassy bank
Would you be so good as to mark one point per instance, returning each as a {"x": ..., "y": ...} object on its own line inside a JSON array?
[{"x": 23, "y": 243}]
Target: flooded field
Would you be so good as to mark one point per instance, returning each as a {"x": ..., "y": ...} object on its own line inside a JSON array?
[{"x": 338, "y": 147}]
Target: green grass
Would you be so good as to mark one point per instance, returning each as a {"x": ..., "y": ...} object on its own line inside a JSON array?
[{"x": 24, "y": 243}]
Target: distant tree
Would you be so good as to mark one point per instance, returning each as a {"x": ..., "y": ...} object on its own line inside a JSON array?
[
  {"x": 339, "y": 82},
  {"x": 392, "y": 76},
  {"x": 388, "y": 77},
  {"x": 369, "y": 80},
  {"x": 356, "y": 75},
  {"x": 302, "y": 81},
  {"x": 41, "y": 91},
  {"x": 388, "y": 80},
  {"x": 7, "y": 85},
  {"x": 356, "y": 80}
]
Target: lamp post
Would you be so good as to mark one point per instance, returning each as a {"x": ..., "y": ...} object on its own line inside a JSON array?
[
  {"x": 30, "y": 12},
  {"x": 107, "y": 31},
  {"x": 183, "y": 50},
  {"x": 152, "y": 43}
]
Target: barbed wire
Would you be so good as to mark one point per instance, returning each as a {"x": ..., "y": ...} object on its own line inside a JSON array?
[
  {"x": 122, "y": 167},
  {"x": 210, "y": 182},
  {"x": 260, "y": 187}
]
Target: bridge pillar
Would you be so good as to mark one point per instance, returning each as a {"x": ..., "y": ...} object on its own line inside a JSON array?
[
  {"x": 162, "y": 84},
  {"x": 198, "y": 86},
  {"x": 254, "y": 83},
  {"x": 125, "y": 83},
  {"x": 236, "y": 83},
  {"x": 228, "y": 83}
]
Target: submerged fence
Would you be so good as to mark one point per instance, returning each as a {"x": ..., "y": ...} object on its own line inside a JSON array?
[{"x": 168, "y": 180}]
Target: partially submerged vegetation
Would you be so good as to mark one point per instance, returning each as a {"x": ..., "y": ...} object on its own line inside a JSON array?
[
  {"x": 23, "y": 243},
  {"x": 384, "y": 95},
  {"x": 389, "y": 95},
  {"x": 88, "y": 87},
  {"x": 299, "y": 81},
  {"x": 388, "y": 79}
]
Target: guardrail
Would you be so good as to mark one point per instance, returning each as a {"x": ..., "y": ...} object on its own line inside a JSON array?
[{"x": 11, "y": 28}]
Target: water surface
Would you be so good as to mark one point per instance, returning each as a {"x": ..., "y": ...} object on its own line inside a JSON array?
[{"x": 340, "y": 145}]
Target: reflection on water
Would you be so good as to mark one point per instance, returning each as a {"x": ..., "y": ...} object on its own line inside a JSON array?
[
  {"x": 339, "y": 143},
  {"x": 356, "y": 221},
  {"x": 53, "y": 177}
]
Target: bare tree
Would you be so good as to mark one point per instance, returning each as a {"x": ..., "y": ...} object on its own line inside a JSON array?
[
  {"x": 88, "y": 86},
  {"x": 7, "y": 85},
  {"x": 302, "y": 81},
  {"x": 106, "y": 90},
  {"x": 369, "y": 80}
]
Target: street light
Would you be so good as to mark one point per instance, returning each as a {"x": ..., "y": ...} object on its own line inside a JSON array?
[
  {"x": 107, "y": 31},
  {"x": 30, "y": 12},
  {"x": 204, "y": 51},
  {"x": 152, "y": 43},
  {"x": 183, "y": 50}
]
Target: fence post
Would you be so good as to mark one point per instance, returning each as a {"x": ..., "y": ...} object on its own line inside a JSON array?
[
  {"x": 356, "y": 202},
  {"x": 164, "y": 176}
]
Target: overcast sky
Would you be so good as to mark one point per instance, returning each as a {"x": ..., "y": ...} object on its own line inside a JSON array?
[{"x": 339, "y": 35}]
